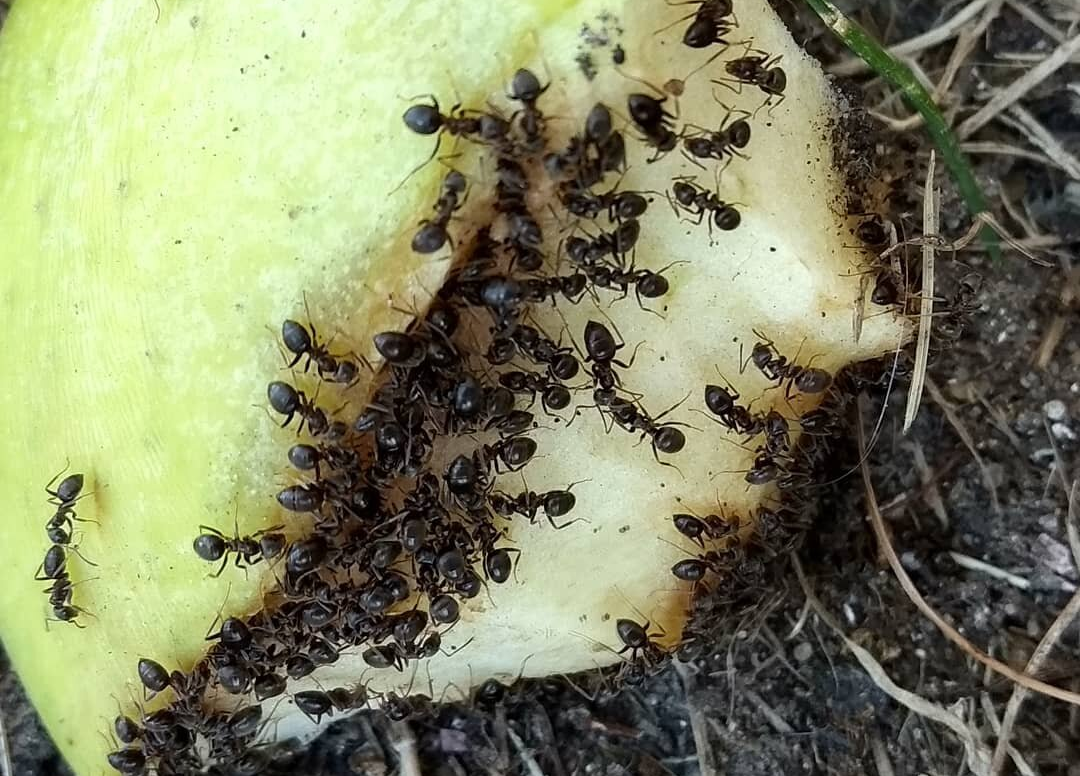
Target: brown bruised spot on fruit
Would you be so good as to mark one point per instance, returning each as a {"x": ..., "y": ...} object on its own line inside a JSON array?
[{"x": 644, "y": 296}]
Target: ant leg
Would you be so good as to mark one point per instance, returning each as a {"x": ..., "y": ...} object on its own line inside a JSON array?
[
  {"x": 665, "y": 463},
  {"x": 422, "y": 165},
  {"x": 67, "y": 465}
]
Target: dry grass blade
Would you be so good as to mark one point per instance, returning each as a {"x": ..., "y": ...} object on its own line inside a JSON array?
[
  {"x": 980, "y": 220},
  {"x": 1049, "y": 639},
  {"x": 878, "y": 524},
  {"x": 1041, "y": 137},
  {"x": 531, "y": 766},
  {"x": 926, "y": 303},
  {"x": 977, "y": 753},
  {"x": 1018, "y": 88}
]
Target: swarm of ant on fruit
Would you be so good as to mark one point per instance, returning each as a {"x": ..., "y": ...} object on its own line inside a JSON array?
[{"x": 407, "y": 493}]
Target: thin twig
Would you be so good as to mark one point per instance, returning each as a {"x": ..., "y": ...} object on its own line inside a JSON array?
[
  {"x": 405, "y": 745},
  {"x": 881, "y": 756},
  {"x": 706, "y": 758},
  {"x": 1018, "y": 88},
  {"x": 913, "y": 593},
  {"x": 1019, "y": 693},
  {"x": 779, "y": 724},
  {"x": 1041, "y": 137},
  {"x": 977, "y": 753},
  {"x": 526, "y": 756},
  {"x": 950, "y": 28},
  {"x": 966, "y": 438},
  {"x": 926, "y": 302},
  {"x": 974, "y": 564},
  {"x": 1072, "y": 523}
]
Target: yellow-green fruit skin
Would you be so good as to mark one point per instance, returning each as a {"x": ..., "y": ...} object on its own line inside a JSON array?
[{"x": 173, "y": 176}]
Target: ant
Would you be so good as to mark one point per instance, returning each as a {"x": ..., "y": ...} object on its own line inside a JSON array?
[
  {"x": 61, "y": 525},
  {"x": 649, "y": 116},
  {"x": 722, "y": 144},
  {"x": 716, "y": 561},
  {"x": 776, "y": 367},
  {"x": 697, "y": 201},
  {"x": 601, "y": 347},
  {"x": 647, "y": 284},
  {"x": 287, "y": 401},
  {"x": 777, "y": 436},
  {"x": 760, "y": 71},
  {"x": 249, "y": 550},
  {"x": 638, "y": 641},
  {"x": 303, "y": 343},
  {"x": 712, "y": 22},
  {"x": 555, "y": 503},
  {"x": 712, "y": 527},
  {"x": 525, "y": 87},
  {"x": 586, "y": 253},
  {"x": 553, "y": 395},
  {"x": 513, "y": 453},
  {"x": 67, "y": 492},
  {"x": 54, "y": 569},
  {"x": 432, "y": 234}
]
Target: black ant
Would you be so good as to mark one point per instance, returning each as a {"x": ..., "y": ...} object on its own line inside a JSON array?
[
  {"x": 760, "y": 71},
  {"x": 303, "y": 343},
  {"x": 248, "y": 550},
  {"x": 716, "y": 561},
  {"x": 54, "y": 569},
  {"x": 555, "y": 503},
  {"x": 602, "y": 348},
  {"x": 287, "y": 401},
  {"x": 589, "y": 252},
  {"x": 67, "y": 492},
  {"x": 432, "y": 234},
  {"x": 525, "y": 87},
  {"x": 638, "y": 641},
  {"x": 649, "y": 116},
  {"x": 722, "y": 144},
  {"x": 721, "y": 402},
  {"x": 513, "y": 453},
  {"x": 553, "y": 395},
  {"x": 776, "y": 367},
  {"x": 696, "y": 529},
  {"x": 712, "y": 22},
  {"x": 698, "y": 202}
]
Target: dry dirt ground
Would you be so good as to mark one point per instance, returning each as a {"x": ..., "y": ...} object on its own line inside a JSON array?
[{"x": 975, "y": 498}]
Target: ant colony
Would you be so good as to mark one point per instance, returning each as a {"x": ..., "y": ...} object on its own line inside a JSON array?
[{"x": 414, "y": 503}]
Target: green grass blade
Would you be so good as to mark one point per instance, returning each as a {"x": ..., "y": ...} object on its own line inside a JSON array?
[{"x": 899, "y": 75}]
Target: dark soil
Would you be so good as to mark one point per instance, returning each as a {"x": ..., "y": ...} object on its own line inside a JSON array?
[{"x": 773, "y": 703}]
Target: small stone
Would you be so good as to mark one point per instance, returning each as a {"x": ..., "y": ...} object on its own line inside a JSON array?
[
  {"x": 910, "y": 561},
  {"x": 1055, "y": 409},
  {"x": 1062, "y": 432},
  {"x": 803, "y": 651}
]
